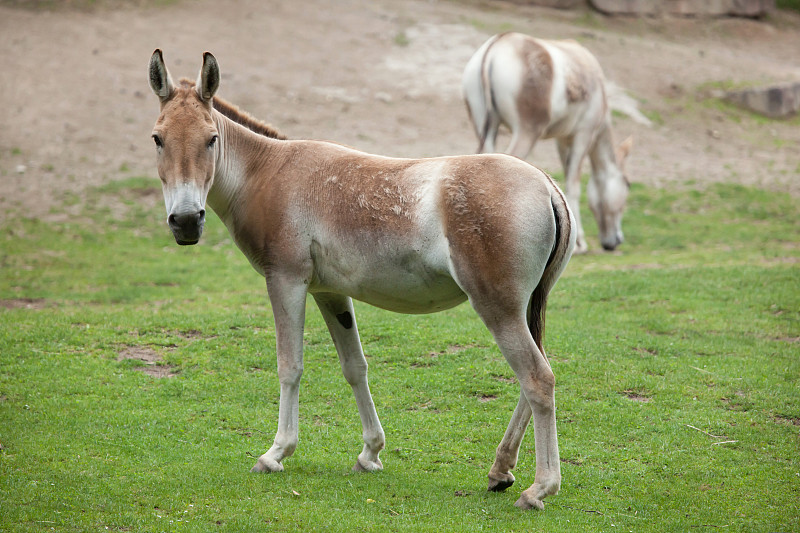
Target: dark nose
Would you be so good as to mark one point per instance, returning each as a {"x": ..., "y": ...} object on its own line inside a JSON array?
[
  {"x": 187, "y": 227},
  {"x": 612, "y": 245},
  {"x": 186, "y": 220}
]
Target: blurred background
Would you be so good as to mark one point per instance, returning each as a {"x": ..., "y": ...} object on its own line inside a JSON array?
[{"x": 384, "y": 76}]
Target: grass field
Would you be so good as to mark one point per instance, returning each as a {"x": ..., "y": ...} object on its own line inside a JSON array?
[{"x": 137, "y": 383}]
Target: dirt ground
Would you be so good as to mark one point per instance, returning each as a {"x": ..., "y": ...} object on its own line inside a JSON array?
[{"x": 380, "y": 75}]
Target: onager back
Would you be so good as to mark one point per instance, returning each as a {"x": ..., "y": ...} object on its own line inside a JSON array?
[
  {"x": 408, "y": 235},
  {"x": 551, "y": 89}
]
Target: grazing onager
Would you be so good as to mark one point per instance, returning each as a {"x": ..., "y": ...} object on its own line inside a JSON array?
[
  {"x": 552, "y": 89},
  {"x": 407, "y": 235}
]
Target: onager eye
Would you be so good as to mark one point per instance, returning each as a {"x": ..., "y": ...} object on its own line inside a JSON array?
[
  {"x": 212, "y": 141},
  {"x": 158, "y": 142}
]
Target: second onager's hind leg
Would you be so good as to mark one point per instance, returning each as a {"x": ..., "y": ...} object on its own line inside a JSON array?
[
  {"x": 523, "y": 139},
  {"x": 537, "y": 382},
  {"x": 339, "y": 316},
  {"x": 491, "y": 128}
]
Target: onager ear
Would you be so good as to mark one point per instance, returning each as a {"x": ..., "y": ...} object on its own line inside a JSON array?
[
  {"x": 623, "y": 150},
  {"x": 208, "y": 79},
  {"x": 160, "y": 80}
]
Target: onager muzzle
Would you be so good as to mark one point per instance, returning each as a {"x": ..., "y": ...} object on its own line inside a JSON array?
[{"x": 187, "y": 225}]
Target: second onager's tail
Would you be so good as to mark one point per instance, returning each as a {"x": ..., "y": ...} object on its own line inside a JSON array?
[
  {"x": 478, "y": 91},
  {"x": 556, "y": 263}
]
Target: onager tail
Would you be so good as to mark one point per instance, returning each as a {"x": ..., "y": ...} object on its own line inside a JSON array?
[
  {"x": 478, "y": 92},
  {"x": 562, "y": 251},
  {"x": 488, "y": 97},
  {"x": 488, "y": 104}
]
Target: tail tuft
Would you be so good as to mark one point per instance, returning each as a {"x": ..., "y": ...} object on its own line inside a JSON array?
[{"x": 559, "y": 256}]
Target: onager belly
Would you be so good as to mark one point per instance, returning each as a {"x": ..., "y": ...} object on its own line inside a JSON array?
[
  {"x": 405, "y": 296},
  {"x": 403, "y": 284}
]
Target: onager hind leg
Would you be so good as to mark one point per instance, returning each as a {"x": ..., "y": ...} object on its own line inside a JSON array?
[
  {"x": 491, "y": 128},
  {"x": 524, "y": 138},
  {"x": 339, "y": 316},
  {"x": 537, "y": 382}
]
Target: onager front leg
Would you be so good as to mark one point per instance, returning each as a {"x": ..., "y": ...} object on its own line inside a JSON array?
[
  {"x": 500, "y": 476},
  {"x": 288, "y": 304},
  {"x": 572, "y": 152},
  {"x": 341, "y": 320}
]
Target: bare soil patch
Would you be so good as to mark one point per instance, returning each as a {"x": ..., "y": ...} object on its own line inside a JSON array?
[
  {"x": 380, "y": 75},
  {"x": 150, "y": 358},
  {"x": 24, "y": 303},
  {"x": 636, "y": 396}
]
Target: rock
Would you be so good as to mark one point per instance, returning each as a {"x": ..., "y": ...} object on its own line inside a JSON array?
[
  {"x": 685, "y": 8},
  {"x": 777, "y": 101}
]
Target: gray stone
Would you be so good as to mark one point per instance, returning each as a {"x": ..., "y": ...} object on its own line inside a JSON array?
[{"x": 777, "y": 101}]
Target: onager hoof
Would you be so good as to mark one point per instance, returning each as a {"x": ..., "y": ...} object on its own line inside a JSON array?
[
  {"x": 267, "y": 465},
  {"x": 501, "y": 482},
  {"x": 365, "y": 465},
  {"x": 526, "y": 502},
  {"x": 533, "y": 496}
]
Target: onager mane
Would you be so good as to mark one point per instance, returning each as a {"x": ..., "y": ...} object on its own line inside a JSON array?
[{"x": 241, "y": 117}]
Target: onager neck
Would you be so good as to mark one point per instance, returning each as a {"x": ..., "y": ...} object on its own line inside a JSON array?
[
  {"x": 603, "y": 155},
  {"x": 243, "y": 154}
]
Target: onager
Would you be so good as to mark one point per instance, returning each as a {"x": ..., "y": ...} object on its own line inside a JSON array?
[
  {"x": 552, "y": 89},
  {"x": 407, "y": 235}
]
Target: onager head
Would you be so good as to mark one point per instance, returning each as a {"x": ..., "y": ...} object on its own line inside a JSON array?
[
  {"x": 607, "y": 199},
  {"x": 186, "y": 137}
]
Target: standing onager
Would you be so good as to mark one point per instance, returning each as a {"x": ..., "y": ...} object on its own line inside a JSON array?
[
  {"x": 551, "y": 89},
  {"x": 412, "y": 236}
]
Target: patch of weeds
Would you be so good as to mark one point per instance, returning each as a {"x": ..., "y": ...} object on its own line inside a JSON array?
[
  {"x": 589, "y": 19},
  {"x": 135, "y": 183},
  {"x": 485, "y": 27},
  {"x": 712, "y": 88},
  {"x": 401, "y": 39},
  {"x": 788, "y": 4},
  {"x": 654, "y": 116}
]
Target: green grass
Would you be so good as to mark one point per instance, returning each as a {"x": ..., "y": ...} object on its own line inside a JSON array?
[{"x": 676, "y": 359}]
